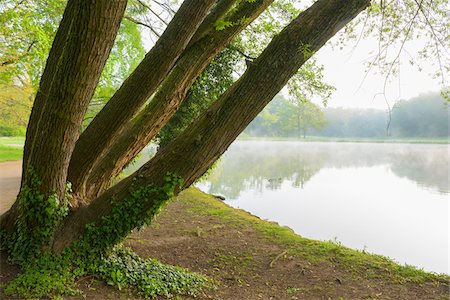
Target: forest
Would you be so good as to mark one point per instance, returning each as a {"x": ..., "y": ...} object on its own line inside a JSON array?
[{"x": 424, "y": 116}]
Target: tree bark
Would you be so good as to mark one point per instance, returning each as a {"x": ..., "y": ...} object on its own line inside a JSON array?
[
  {"x": 137, "y": 89},
  {"x": 218, "y": 12},
  {"x": 71, "y": 75},
  {"x": 193, "y": 152},
  {"x": 87, "y": 48},
  {"x": 144, "y": 127},
  {"x": 51, "y": 66}
]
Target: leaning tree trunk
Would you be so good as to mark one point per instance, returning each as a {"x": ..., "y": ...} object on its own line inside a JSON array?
[
  {"x": 81, "y": 48},
  {"x": 91, "y": 37},
  {"x": 146, "y": 125},
  {"x": 136, "y": 89},
  {"x": 46, "y": 79},
  {"x": 192, "y": 153}
]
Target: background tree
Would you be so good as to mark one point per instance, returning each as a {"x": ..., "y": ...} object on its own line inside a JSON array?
[{"x": 309, "y": 116}]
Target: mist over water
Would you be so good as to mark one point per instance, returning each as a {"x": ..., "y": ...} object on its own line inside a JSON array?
[{"x": 389, "y": 199}]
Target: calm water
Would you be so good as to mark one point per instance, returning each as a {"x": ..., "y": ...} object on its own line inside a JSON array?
[{"x": 389, "y": 199}]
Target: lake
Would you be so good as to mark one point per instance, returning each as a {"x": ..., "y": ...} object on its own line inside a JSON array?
[{"x": 389, "y": 199}]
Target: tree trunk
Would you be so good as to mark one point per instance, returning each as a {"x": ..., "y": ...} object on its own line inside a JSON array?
[
  {"x": 46, "y": 80},
  {"x": 146, "y": 125},
  {"x": 7, "y": 220},
  {"x": 137, "y": 89},
  {"x": 193, "y": 152},
  {"x": 88, "y": 46}
]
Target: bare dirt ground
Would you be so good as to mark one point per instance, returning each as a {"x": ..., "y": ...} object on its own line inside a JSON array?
[
  {"x": 243, "y": 263},
  {"x": 10, "y": 172}
]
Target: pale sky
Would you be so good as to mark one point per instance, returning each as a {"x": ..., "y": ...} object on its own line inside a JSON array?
[{"x": 345, "y": 69}]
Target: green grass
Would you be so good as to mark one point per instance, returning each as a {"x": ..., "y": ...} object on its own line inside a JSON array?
[
  {"x": 8, "y": 153},
  {"x": 14, "y": 141},
  {"x": 11, "y": 148},
  {"x": 358, "y": 262}
]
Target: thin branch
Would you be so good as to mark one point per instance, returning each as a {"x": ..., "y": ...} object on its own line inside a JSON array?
[
  {"x": 165, "y": 6},
  {"x": 25, "y": 54},
  {"x": 242, "y": 53},
  {"x": 142, "y": 24},
  {"x": 429, "y": 24},
  {"x": 152, "y": 11}
]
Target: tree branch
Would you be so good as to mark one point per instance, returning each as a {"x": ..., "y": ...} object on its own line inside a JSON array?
[
  {"x": 136, "y": 89},
  {"x": 23, "y": 55},
  {"x": 142, "y": 24},
  {"x": 145, "y": 126},
  {"x": 191, "y": 154}
]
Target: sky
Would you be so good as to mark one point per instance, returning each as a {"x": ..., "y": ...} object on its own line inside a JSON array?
[{"x": 345, "y": 69}]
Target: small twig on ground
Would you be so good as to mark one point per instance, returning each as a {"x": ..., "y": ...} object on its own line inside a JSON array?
[{"x": 277, "y": 258}]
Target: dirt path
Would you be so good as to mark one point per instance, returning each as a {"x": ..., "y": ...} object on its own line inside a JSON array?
[{"x": 10, "y": 173}]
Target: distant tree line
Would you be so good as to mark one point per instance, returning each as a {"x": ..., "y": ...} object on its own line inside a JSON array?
[{"x": 424, "y": 116}]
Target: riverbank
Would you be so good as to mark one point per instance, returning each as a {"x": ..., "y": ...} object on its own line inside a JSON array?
[
  {"x": 249, "y": 258},
  {"x": 350, "y": 140}
]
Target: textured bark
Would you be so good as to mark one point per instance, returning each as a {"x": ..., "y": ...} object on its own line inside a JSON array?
[
  {"x": 193, "y": 152},
  {"x": 88, "y": 45},
  {"x": 46, "y": 79},
  {"x": 218, "y": 12},
  {"x": 7, "y": 220},
  {"x": 82, "y": 46},
  {"x": 145, "y": 126},
  {"x": 138, "y": 87}
]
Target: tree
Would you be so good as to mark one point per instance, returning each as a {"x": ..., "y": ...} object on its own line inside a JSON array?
[
  {"x": 308, "y": 116},
  {"x": 283, "y": 118},
  {"x": 85, "y": 219}
]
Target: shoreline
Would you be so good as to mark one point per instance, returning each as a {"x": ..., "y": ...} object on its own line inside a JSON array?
[
  {"x": 348, "y": 140},
  {"x": 255, "y": 259}
]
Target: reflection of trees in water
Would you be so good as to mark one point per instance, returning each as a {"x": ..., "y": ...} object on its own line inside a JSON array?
[
  {"x": 428, "y": 169},
  {"x": 258, "y": 165}
]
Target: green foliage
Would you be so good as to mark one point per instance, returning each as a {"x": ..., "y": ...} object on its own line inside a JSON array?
[
  {"x": 15, "y": 107},
  {"x": 53, "y": 275},
  {"x": 394, "y": 24},
  {"x": 222, "y": 24},
  {"x": 46, "y": 274},
  {"x": 125, "y": 216},
  {"x": 213, "y": 81},
  {"x": 150, "y": 278},
  {"x": 27, "y": 31},
  {"x": 423, "y": 117},
  {"x": 39, "y": 216},
  {"x": 284, "y": 118}
]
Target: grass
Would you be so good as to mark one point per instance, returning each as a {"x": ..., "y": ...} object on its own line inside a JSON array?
[
  {"x": 359, "y": 262},
  {"x": 12, "y": 141},
  {"x": 11, "y": 148},
  {"x": 8, "y": 153}
]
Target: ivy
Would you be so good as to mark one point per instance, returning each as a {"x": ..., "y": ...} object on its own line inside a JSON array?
[
  {"x": 126, "y": 215},
  {"x": 97, "y": 253},
  {"x": 124, "y": 268},
  {"x": 38, "y": 218}
]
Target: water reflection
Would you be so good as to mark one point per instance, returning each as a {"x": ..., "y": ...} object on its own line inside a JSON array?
[
  {"x": 390, "y": 199},
  {"x": 253, "y": 165}
]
